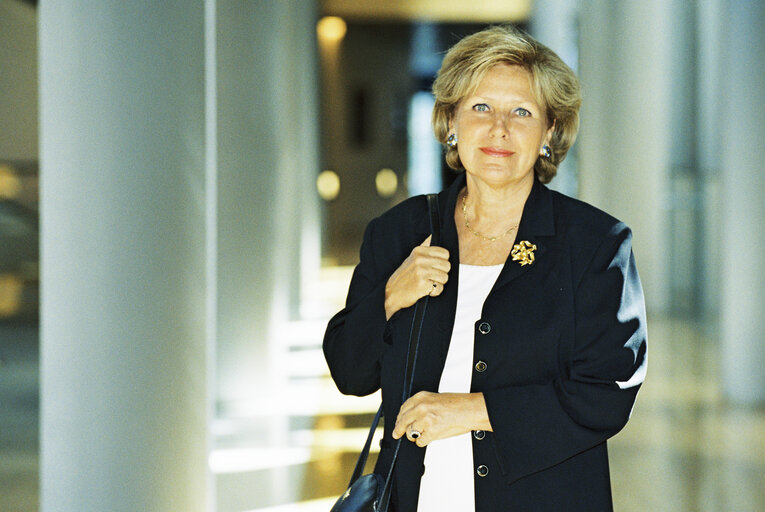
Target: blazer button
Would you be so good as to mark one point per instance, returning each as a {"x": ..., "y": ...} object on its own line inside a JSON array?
[
  {"x": 480, "y": 367},
  {"x": 484, "y": 328},
  {"x": 479, "y": 434},
  {"x": 482, "y": 470}
]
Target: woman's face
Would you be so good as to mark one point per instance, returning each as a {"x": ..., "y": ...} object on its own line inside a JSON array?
[{"x": 501, "y": 128}]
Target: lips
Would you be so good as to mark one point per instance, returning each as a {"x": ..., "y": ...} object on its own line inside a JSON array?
[{"x": 496, "y": 152}]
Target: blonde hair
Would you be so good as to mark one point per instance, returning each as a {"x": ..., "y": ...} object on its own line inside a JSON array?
[{"x": 555, "y": 86}]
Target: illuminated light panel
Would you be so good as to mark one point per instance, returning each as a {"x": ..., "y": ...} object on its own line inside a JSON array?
[
  {"x": 319, "y": 505},
  {"x": 386, "y": 183},
  {"x": 478, "y": 11},
  {"x": 328, "y": 185},
  {"x": 10, "y": 295},
  {"x": 240, "y": 460},
  {"x": 10, "y": 185},
  {"x": 331, "y": 29}
]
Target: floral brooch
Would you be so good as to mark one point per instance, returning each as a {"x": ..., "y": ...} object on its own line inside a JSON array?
[{"x": 523, "y": 252}]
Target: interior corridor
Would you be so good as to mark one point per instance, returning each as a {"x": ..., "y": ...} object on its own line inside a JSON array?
[{"x": 684, "y": 450}]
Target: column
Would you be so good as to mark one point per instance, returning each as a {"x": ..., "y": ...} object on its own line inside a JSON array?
[
  {"x": 124, "y": 406},
  {"x": 554, "y": 24},
  {"x": 179, "y": 218},
  {"x": 743, "y": 207},
  {"x": 625, "y": 135},
  {"x": 268, "y": 213}
]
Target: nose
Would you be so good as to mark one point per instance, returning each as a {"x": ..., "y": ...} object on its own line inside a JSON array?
[{"x": 499, "y": 127}]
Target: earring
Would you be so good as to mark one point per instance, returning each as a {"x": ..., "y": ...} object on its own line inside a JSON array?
[
  {"x": 546, "y": 151},
  {"x": 452, "y": 141}
]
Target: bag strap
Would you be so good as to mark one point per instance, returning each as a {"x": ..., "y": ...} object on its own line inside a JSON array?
[
  {"x": 365, "y": 452},
  {"x": 414, "y": 341}
]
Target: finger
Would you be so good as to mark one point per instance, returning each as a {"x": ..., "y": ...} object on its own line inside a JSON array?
[
  {"x": 437, "y": 290},
  {"x": 403, "y": 418},
  {"x": 437, "y": 276},
  {"x": 410, "y": 403},
  {"x": 400, "y": 429},
  {"x": 434, "y": 252},
  {"x": 413, "y": 433},
  {"x": 437, "y": 262}
]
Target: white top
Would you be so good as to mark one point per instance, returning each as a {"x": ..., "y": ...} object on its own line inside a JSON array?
[{"x": 448, "y": 480}]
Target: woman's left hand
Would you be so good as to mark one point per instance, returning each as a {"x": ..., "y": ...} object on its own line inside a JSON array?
[{"x": 441, "y": 415}]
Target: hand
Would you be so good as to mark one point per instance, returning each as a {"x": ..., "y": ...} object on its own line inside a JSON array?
[
  {"x": 424, "y": 272},
  {"x": 441, "y": 415}
]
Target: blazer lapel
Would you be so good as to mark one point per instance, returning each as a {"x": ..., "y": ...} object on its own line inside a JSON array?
[{"x": 536, "y": 223}]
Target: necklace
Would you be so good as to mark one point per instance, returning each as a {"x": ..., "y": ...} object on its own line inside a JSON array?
[{"x": 481, "y": 235}]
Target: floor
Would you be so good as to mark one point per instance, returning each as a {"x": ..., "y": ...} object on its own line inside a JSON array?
[{"x": 685, "y": 448}]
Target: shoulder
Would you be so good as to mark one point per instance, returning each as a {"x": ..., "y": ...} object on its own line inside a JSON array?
[
  {"x": 580, "y": 219},
  {"x": 390, "y": 237},
  {"x": 590, "y": 234},
  {"x": 408, "y": 212},
  {"x": 400, "y": 224}
]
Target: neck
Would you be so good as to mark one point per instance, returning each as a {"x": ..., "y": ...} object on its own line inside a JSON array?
[{"x": 488, "y": 204}]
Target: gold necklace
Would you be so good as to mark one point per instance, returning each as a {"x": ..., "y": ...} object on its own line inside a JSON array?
[{"x": 481, "y": 235}]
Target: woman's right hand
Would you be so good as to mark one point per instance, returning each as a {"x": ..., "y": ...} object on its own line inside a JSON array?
[{"x": 424, "y": 272}]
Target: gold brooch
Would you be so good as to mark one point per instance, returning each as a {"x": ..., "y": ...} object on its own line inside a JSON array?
[{"x": 523, "y": 252}]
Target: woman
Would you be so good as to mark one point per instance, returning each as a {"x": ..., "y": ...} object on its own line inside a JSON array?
[{"x": 533, "y": 344}]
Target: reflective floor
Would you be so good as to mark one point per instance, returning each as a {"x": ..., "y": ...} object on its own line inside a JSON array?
[{"x": 684, "y": 449}]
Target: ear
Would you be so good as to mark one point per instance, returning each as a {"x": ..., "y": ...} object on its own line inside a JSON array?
[{"x": 549, "y": 133}]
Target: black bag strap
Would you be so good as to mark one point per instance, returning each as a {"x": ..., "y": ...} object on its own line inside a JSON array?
[
  {"x": 365, "y": 451},
  {"x": 414, "y": 341}
]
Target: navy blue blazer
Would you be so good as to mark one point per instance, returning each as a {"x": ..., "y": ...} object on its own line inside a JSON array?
[{"x": 562, "y": 342}]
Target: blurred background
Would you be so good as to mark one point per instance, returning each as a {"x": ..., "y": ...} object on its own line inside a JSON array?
[{"x": 184, "y": 188}]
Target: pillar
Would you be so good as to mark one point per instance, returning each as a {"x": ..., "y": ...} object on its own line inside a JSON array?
[
  {"x": 124, "y": 364},
  {"x": 554, "y": 24},
  {"x": 743, "y": 207},
  {"x": 625, "y": 136},
  {"x": 268, "y": 213},
  {"x": 179, "y": 220}
]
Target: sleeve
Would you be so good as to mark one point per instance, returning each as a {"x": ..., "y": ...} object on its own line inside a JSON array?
[
  {"x": 354, "y": 339},
  {"x": 538, "y": 426}
]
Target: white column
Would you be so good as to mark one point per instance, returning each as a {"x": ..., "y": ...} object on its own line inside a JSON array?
[
  {"x": 625, "y": 136},
  {"x": 743, "y": 239},
  {"x": 554, "y": 23},
  {"x": 268, "y": 220},
  {"x": 123, "y": 356}
]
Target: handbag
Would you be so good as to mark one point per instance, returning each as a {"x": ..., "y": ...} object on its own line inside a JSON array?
[{"x": 371, "y": 492}]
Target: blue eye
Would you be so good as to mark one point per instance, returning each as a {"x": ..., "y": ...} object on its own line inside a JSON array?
[
  {"x": 481, "y": 107},
  {"x": 522, "y": 112}
]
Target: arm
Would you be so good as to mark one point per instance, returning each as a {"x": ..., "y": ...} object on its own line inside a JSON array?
[
  {"x": 538, "y": 426},
  {"x": 355, "y": 337}
]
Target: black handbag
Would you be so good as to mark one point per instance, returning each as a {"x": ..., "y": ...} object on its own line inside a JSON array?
[{"x": 371, "y": 492}]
